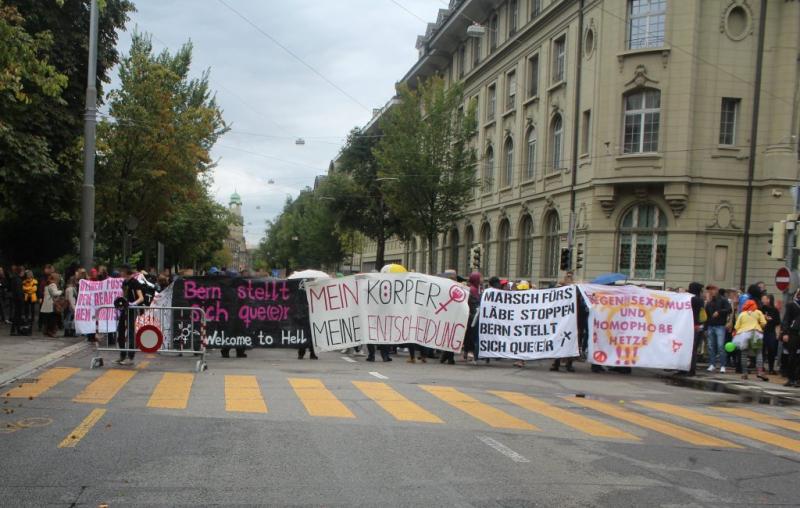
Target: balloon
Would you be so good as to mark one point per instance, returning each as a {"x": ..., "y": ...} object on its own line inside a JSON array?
[
  {"x": 730, "y": 347},
  {"x": 393, "y": 268}
]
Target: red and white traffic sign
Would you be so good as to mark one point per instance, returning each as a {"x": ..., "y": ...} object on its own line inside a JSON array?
[
  {"x": 782, "y": 278},
  {"x": 149, "y": 338}
]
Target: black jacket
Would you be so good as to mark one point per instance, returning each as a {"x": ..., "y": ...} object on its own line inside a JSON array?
[
  {"x": 792, "y": 315},
  {"x": 721, "y": 305}
]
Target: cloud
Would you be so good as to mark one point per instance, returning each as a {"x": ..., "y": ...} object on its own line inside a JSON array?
[{"x": 269, "y": 98}]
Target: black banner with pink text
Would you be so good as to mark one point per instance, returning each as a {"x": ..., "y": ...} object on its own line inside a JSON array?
[{"x": 248, "y": 312}]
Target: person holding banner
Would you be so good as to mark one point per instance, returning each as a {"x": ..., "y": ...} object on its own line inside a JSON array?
[{"x": 126, "y": 326}]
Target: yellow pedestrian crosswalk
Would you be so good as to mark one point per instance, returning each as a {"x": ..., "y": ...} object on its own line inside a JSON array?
[
  {"x": 48, "y": 379},
  {"x": 634, "y": 422},
  {"x": 243, "y": 395},
  {"x": 103, "y": 389}
]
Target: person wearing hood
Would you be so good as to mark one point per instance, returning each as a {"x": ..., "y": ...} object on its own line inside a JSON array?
[
  {"x": 750, "y": 337},
  {"x": 474, "y": 301},
  {"x": 698, "y": 304},
  {"x": 790, "y": 336}
]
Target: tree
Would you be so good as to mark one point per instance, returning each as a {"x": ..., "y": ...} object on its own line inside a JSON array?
[
  {"x": 44, "y": 50},
  {"x": 153, "y": 156},
  {"x": 358, "y": 193},
  {"x": 304, "y": 235},
  {"x": 426, "y": 155}
]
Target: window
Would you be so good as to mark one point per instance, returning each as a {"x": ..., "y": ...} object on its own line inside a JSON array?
[
  {"x": 513, "y": 16},
  {"x": 727, "y": 121},
  {"x": 454, "y": 250},
  {"x": 488, "y": 169},
  {"x": 642, "y": 117},
  {"x": 503, "y": 248},
  {"x": 646, "y": 23},
  {"x": 491, "y": 102},
  {"x": 530, "y": 163},
  {"x": 509, "y": 166},
  {"x": 533, "y": 76},
  {"x": 643, "y": 243},
  {"x": 462, "y": 60},
  {"x": 559, "y": 59},
  {"x": 493, "y": 32},
  {"x": 525, "y": 246},
  {"x": 486, "y": 235},
  {"x": 536, "y": 8},
  {"x": 469, "y": 240},
  {"x": 586, "y": 131},
  {"x": 556, "y": 143},
  {"x": 476, "y": 51},
  {"x": 551, "y": 246},
  {"x": 511, "y": 89}
]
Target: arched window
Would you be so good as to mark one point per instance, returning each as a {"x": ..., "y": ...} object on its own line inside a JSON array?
[
  {"x": 509, "y": 176},
  {"x": 556, "y": 143},
  {"x": 486, "y": 248},
  {"x": 525, "y": 246},
  {"x": 488, "y": 169},
  {"x": 454, "y": 249},
  {"x": 530, "y": 162},
  {"x": 503, "y": 248},
  {"x": 643, "y": 243},
  {"x": 552, "y": 243},
  {"x": 469, "y": 243},
  {"x": 642, "y": 118}
]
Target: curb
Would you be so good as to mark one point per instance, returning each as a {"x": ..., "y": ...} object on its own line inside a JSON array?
[
  {"x": 768, "y": 394},
  {"x": 27, "y": 368}
]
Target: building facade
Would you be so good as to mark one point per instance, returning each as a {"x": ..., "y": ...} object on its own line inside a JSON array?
[
  {"x": 621, "y": 128},
  {"x": 235, "y": 243}
]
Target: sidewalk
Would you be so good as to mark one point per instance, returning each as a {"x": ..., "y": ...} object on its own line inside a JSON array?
[
  {"x": 766, "y": 392},
  {"x": 21, "y": 355}
]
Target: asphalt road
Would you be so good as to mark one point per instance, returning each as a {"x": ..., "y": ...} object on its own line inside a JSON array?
[{"x": 272, "y": 430}]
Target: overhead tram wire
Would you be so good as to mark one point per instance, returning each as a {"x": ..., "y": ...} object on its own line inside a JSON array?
[{"x": 293, "y": 55}]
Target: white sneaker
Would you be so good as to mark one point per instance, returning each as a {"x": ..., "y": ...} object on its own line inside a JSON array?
[
  {"x": 722, "y": 370},
  {"x": 710, "y": 368}
]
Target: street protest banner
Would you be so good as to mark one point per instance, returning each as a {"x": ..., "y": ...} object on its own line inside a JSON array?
[
  {"x": 93, "y": 294},
  {"x": 244, "y": 312},
  {"x": 529, "y": 325},
  {"x": 387, "y": 308},
  {"x": 631, "y": 326}
]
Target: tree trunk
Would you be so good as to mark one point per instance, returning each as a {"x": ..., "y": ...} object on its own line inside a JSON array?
[
  {"x": 380, "y": 252},
  {"x": 431, "y": 254}
]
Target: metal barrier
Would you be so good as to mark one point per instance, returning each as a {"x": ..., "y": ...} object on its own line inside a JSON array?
[{"x": 174, "y": 331}]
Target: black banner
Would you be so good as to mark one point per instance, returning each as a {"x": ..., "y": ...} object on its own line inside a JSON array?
[{"x": 248, "y": 312}]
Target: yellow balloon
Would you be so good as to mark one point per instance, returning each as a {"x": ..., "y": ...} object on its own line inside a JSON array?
[{"x": 393, "y": 268}]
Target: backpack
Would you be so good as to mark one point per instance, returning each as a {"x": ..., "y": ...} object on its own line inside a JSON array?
[{"x": 148, "y": 289}]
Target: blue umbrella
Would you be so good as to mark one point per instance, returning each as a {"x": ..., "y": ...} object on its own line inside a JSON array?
[{"x": 609, "y": 278}]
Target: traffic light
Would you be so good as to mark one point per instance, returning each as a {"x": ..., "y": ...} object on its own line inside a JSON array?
[
  {"x": 778, "y": 241},
  {"x": 565, "y": 261},
  {"x": 579, "y": 257},
  {"x": 476, "y": 258}
]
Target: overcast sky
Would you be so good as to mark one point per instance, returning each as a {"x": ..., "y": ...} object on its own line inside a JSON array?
[{"x": 270, "y": 98}]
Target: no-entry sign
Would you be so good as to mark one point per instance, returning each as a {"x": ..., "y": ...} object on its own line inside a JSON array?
[{"x": 782, "y": 278}]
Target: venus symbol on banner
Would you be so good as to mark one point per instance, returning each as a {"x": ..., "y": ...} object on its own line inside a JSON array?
[{"x": 457, "y": 295}]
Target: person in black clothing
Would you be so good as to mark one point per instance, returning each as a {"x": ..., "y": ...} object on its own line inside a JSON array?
[
  {"x": 126, "y": 326},
  {"x": 773, "y": 318},
  {"x": 17, "y": 299},
  {"x": 3, "y": 294},
  {"x": 696, "y": 289},
  {"x": 718, "y": 308},
  {"x": 790, "y": 336}
]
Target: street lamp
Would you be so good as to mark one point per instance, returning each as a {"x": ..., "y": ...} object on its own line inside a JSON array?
[{"x": 89, "y": 129}]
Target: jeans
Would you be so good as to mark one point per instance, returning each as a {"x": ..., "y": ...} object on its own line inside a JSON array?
[{"x": 716, "y": 346}]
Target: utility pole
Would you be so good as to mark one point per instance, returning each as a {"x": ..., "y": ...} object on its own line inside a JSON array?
[{"x": 90, "y": 127}]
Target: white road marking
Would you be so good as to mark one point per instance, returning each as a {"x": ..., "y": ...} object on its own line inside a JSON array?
[
  {"x": 378, "y": 375},
  {"x": 348, "y": 359},
  {"x": 505, "y": 450}
]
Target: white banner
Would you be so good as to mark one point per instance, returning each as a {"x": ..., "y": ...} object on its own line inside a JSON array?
[
  {"x": 631, "y": 326},
  {"x": 529, "y": 325},
  {"x": 93, "y": 294},
  {"x": 387, "y": 308}
]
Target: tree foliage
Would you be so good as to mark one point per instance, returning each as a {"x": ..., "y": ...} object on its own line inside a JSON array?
[
  {"x": 303, "y": 235},
  {"x": 357, "y": 192},
  {"x": 153, "y": 156},
  {"x": 43, "y": 65},
  {"x": 426, "y": 155}
]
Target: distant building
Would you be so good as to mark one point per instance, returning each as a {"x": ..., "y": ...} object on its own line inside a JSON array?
[{"x": 235, "y": 243}]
